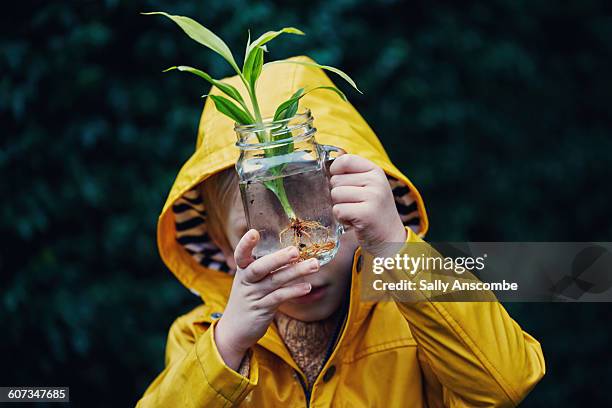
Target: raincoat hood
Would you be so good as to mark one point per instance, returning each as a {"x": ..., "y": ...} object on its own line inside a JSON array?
[
  {"x": 183, "y": 240},
  {"x": 391, "y": 354}
]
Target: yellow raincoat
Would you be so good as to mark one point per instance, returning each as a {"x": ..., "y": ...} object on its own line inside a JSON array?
[{"x": 387, "y": 354}]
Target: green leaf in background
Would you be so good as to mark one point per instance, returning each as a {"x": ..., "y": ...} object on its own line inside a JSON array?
[
  {"x": 229, "y": 108},
  {"x": 252, "y": 66},
  {"x": 227, "y": 89},
  {"x": 202, "y": 35},
  {"x": 126, "y": 299},
  {"x": 337, "y": 71}
]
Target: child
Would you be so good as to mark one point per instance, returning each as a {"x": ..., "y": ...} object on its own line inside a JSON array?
[{"x": 275, "y": 332}]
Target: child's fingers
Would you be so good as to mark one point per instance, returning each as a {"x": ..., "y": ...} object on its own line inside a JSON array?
[
  {"x": 285, "y": 293},
  {"x": 260, "y": 268},
  {"x": 348, "y": 194},
  {"x": 349, "y": 212},
  {"x": 244, "y": 250},
  {"x": 357, "y": 179},
  {"x": 286, "y": 275},
  {"x": 350, "y": 163}
]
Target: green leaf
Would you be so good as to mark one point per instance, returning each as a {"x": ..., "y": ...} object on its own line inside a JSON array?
[
  {"x": 229, "y": 108},
  {"x": 253, "y": 57},
  {"x": 341, "y": 73},
  {"x": 252, "y": 66},
  {"x": 227, "y": 89},
  {"x": 270, "y": 35},
  {"x": 285, "y": 109},
  {"x": 202, "y": 35},
  {"x": 246, "y": 50},
  {"x": 289, "y": 108}
]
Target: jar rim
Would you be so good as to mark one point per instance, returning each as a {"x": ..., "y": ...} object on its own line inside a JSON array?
[
  {"x": 274, "y": 143},
  {"x": 270, "y": 122}
]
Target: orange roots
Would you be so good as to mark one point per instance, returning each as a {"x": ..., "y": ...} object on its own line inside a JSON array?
[
  {"x": 301, "y": 236},
  {"x": 313, "y": 250}
]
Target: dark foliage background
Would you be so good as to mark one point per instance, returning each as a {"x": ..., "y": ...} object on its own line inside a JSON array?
[{"x": 498, "y": 110}]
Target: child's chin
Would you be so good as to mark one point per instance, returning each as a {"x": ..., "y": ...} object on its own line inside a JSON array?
[{"x": 308, "y": 312}]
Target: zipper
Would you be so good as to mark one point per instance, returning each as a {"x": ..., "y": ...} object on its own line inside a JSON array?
[
  {"x": 304, "y": 388},
  {"x": 330, "y": 349}
]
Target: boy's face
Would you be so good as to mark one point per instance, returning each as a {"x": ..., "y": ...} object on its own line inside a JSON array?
[{"x": 329, "y": 284}]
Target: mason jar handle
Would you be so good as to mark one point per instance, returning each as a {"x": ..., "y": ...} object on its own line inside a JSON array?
[{"x": 330, "y": 153}]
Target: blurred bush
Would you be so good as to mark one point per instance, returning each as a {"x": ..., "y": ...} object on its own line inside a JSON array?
[{"x": 498, "y": 110}]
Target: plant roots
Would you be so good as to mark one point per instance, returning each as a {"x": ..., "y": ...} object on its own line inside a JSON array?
[{"x": 300, "y": 233}]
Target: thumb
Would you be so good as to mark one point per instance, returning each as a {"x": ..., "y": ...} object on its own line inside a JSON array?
[{"x": 244, "y": 250}]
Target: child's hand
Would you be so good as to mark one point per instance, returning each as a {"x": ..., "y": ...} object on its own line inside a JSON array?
[
  {"x": 259, "y": 287},
  {"x": 363, "y": 200}
]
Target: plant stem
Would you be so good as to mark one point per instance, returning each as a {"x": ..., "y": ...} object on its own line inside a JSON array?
[
  {"x": 277, "y": 186},
  {"x": 256, "y": 106},
  {"x": 281, "y": 194},
  {"x": 256, "y": 110}
]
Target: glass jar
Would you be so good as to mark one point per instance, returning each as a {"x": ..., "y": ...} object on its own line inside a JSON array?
[{"x": 284, "y": 184}]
